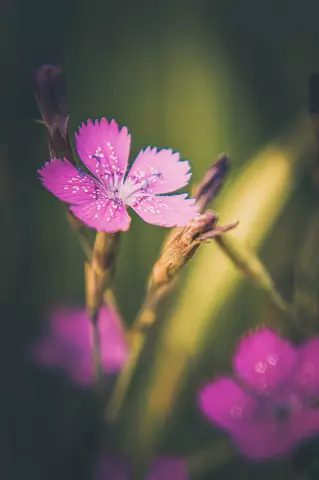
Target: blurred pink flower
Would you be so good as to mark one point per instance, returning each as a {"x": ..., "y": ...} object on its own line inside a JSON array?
[
  {"x": 272, "y": 404},
  {"x": 115, "y": 468},
  {"x": 100, "y": 199},
  {"x": 68, "y": 344}
]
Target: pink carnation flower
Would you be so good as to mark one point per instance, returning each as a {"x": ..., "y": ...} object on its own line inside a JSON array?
[
  {"x": 272, "y": 404},
  {"x": 100, "y": 199},
  {"x": 115, "y": 468},
  {"x": 68, "y": 344}
]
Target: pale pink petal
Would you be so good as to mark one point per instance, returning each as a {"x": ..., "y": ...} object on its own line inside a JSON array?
[
  {"x": 67, "y": 183},
  {"x": 307, "y": 375},
  {"x": 168, "y": 469},
  {"x": 161, "y": 169},
  {"x": 265, "y": 361},
  {"x": 68, "y": 345},
  {"x": 165, "y": 211},
  {"x": 103, "y": 215},
  {"x": 103, "y": 147}
]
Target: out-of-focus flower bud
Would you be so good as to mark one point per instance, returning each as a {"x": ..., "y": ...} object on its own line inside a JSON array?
[
  {"x": 212, "y": 182},
  {"x": 50, "y": 92}
]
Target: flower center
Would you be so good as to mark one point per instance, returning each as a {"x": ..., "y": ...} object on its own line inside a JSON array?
[
  {"x": 282, "y": 413},
  {"x": 135, "y": 189}
]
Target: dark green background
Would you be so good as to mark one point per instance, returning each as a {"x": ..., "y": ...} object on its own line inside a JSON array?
[{"x": 199, "y": 76}]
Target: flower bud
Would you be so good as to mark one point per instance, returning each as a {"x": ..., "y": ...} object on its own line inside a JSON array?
[
  {"x": 211, "y": 182},
  {"x": 50, "y": 92}
]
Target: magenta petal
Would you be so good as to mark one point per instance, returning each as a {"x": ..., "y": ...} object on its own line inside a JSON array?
[
  {"x": 264, "y": 360},
  {"x": 266, "y": 439},
  {"x": 168, "y": 469},
  {"x": 306, "y": 423},
  {"x": 103, "y": 147},
  {"x": 103, "y": 215},
  {"x": 166, "y": 211},
  {"x": 307, "y": 375},
  {"x": 249, "y": 420},
  {"x": 69, "y": 343},
  {"x": 162, "y": 168},
  {"x": 67, "y": 183},
  {"x": 227, "y": 405}
]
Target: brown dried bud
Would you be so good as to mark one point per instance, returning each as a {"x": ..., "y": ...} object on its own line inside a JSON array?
[
  {"x": 182, "y": 247},
  {"x": 212, "y": 182},
  {"x": 50, "y": 91}
]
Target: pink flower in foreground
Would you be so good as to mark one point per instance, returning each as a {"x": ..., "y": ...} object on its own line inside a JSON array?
[
  {"x": 272, "y": 404},
  {"x": 110, "y": 468},
  {"x": 68, "y": 345},
  {"x": 100, "y": 199}
]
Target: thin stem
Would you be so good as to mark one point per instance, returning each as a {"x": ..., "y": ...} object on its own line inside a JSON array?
[
  {"x": 99, "y": 276},
  {"x": 137, "y": 338},
  {"x": 90, "y": 283},
  {"x": 147, "y": 313},
  {"x": 124, "y": 380},
  {"x": 250, "y": 265}
]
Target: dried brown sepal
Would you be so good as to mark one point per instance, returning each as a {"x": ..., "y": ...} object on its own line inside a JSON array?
[
  {"x": 180, "y": 249},
  {"x": 50, "y": 91}
]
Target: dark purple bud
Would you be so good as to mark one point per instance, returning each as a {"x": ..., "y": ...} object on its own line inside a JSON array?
[
  {"x": 50, "y": 92},
  {"x": 212, "y": 182}
]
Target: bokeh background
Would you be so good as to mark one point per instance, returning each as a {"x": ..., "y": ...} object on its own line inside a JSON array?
[{"x": 202, "y": 77}]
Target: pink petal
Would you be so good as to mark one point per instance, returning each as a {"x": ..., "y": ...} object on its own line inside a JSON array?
[
  {"x": 162, "y": 168},
  {"x": 307, "y": 375},
  {"x": 165, "y": 211},
  {"x": 103, "y": 147},
  {"x": 265, "y": 361},
  {"x": 227, "y": 405},
  {"x": 103, "y": 215},
  {"x": 67, "y": 183},
  {"x": 249, "y": 420},
  {"x": 266, "y": 439},
  {"x": 307, "y": 424},
  {"x": 69, "y": 343}
]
